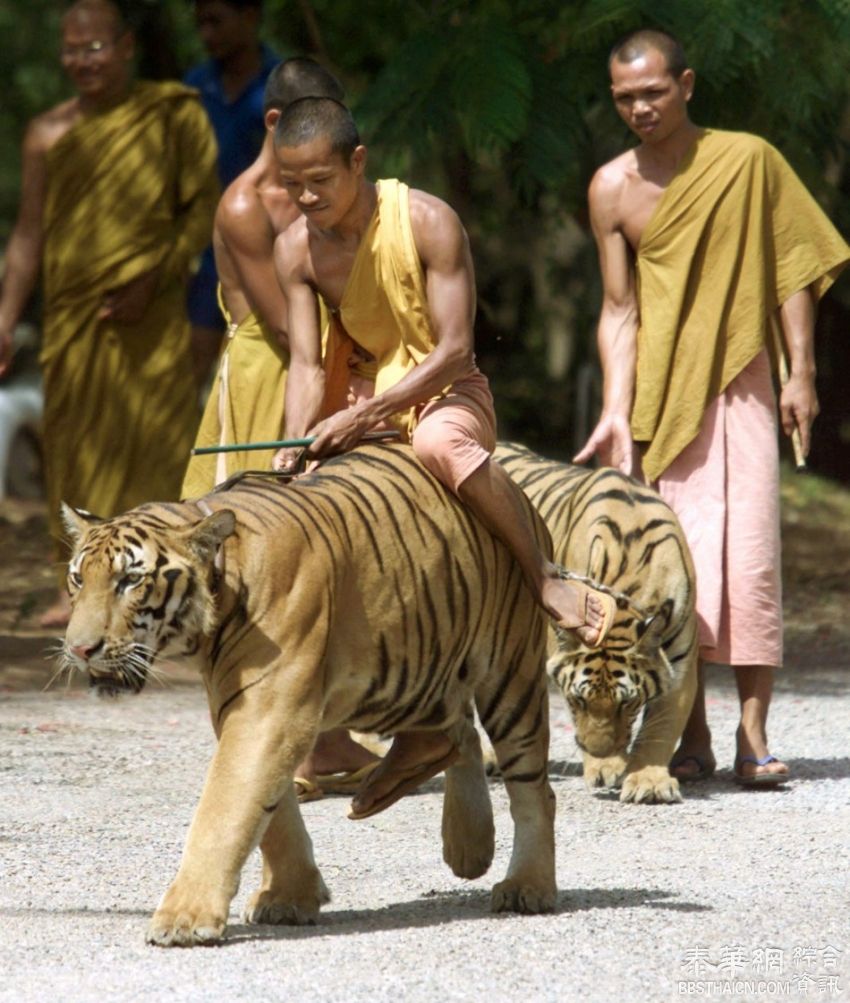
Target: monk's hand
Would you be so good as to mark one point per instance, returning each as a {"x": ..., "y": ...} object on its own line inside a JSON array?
[
  {"x": 339, "y": 433},
  {"x": 612, "y": 441},
  {"x": 286, "y": 460},
  {"x": 129, "y": 303},
  {"x": 798, "y": 407}
]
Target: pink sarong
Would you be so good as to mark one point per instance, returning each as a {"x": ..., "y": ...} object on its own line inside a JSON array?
[{"x": 724, "y": 488}]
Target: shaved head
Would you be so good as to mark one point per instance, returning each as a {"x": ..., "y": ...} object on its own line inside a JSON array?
[
  {"x": 637, "y": 43},
  {"x": 104, "y": 10},
  {"x": 317, "y": 118}
]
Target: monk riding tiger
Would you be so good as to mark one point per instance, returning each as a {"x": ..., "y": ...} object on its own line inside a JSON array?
[{"x": 394, "y": 270}]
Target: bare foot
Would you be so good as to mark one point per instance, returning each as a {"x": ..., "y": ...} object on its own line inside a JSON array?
[
  {"x": 563, "y": 600},
  {"x": 59, "y": 613},
  {"x": 413, "y": 758}
]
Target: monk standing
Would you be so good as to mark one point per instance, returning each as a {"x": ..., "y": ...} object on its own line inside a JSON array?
[
  {"x": 707, "y": 242},
  {"x": 393, "y": 268},
  {"x": 119, "y": 191},
  {"x": 245, "y": 403}
]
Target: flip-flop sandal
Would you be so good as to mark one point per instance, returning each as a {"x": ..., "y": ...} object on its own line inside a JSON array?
[
  {"x": 758, "y": 779},
  {"x": 309, "y": 791},
  {"x": 345, "y": 781},
  {"x": 409, "y": 780},
  {"x": 704, "y": 771}
]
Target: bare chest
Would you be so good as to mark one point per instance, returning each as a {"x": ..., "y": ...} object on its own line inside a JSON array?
[{"x": 332, "y": 264}]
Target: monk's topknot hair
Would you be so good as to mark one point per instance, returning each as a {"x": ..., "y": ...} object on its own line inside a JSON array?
[
  {"x": 296, "y": 78},
  {"x": 314, "y": 118},
  {"x": 637, "y": 43}
]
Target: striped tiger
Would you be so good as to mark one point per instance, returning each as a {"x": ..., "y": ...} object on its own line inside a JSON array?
[
  {"x": 609, "y": 528},
  {"x": 361, "y": 595}
]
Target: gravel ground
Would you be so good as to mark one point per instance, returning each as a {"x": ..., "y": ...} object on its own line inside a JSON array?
[{"x": 739, "y": 893}]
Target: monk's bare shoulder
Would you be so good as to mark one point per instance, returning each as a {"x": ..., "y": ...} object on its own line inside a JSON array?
[
  {"x": 50, "y": 126},
  {"x": 292, "y": 253},
  {"x": 608, "y": 188},
  {"x": 241, "y": 216},
  {"x": 437, "y": 229}
]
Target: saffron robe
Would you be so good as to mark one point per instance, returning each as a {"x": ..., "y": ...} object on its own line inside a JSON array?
[
  {"x": 245, "y": 405},
  {"x": 128, "y": 189},
  {"x": 384, "y": 306},
  {"x": 734, "y": 235}
]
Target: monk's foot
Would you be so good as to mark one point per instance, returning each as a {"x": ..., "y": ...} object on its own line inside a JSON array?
[
  {"x": 58, "y": 614},
  {"x": 576, "y": 606},
  {"x": 754, "y": 764},
  {"x": 413, "y": 758},
  {"x": 692, "y": 762}
]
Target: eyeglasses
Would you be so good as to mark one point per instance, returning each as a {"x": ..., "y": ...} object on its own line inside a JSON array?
[{"x": 87, "y": 51}]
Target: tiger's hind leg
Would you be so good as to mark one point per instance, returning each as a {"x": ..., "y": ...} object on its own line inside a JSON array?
[
  {"x": 516, "y": 719},
  {"x": 288, "y": 894},
  {"x": 469, "y": 835}
]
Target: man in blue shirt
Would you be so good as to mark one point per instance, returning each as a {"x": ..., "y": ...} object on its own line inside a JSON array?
[{"x": 231, "y": 83}]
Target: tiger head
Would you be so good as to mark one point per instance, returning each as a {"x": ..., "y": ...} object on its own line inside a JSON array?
[
  {"x": 140, "y": 589},
  {"x": 606, "y": 688}
]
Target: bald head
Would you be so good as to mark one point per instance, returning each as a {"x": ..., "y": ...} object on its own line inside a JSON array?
[
  {"x": 104, "y": 12},
  {"x": 637, "y": 44},
  {"x": 318, "y": 118},
  {"x": 300, "y": 77}
]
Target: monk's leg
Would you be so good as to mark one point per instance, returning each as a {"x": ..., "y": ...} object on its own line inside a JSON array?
[
  {"x": 755, "y": 688},
  {"x": 694, "y": 759}
]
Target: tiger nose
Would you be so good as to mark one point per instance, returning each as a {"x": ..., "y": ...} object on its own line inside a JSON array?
[{"x": 84, "y": 651}]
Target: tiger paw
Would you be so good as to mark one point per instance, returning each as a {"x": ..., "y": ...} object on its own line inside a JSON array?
[
  {"x": 651, "y": 785},
  {"x": 279, "y": 908},
  {"x": 185, "y": 928},
  {"x": 523, "y": 896},
  {"x": 606, "y": 772}
]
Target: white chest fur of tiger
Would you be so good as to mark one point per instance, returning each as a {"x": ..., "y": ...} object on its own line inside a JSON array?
[
  {"x": 362, "y": 595},
  {"x": 612, "y": 529}
]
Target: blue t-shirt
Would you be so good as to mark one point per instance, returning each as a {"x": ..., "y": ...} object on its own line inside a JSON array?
[{"x": 238, "y": 125}]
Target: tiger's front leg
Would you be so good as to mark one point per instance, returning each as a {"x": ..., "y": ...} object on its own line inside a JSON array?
[
  {"x": 647, "y": 778},
  {"x": 249, "y": 778}
]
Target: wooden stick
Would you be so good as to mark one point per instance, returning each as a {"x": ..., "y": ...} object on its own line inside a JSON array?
[
  {"x": 796, "y": 439},
  {"x": 237, "y": 447}
]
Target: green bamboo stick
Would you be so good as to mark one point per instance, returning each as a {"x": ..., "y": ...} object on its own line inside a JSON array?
[{"x": 237, "y": 447}]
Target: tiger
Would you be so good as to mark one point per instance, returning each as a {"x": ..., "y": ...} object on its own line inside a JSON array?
[
  {"x": 361, "y": 595},
  {"x": 610, "y": 529}
]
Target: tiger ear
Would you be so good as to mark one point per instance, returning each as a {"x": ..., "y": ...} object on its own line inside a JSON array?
[
  {"x": 650, "y": 631},
  {"x": 77, "y": 520},
  {"x": 206, "y": 537}
]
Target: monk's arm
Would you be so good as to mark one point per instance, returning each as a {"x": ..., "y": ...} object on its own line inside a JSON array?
[
  {"x": 305, "y": 382},
  {"x": 617, "y": 330},
  {"x": 23, "y": 252},
  {"x": 443, "y": 249},
  {"x": 244, "y": 228},
  {"x": 798, "y": 402}
]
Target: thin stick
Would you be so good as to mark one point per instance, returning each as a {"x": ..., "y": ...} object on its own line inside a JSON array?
[
  {"x": 237, "y": 447},
  {"x": 796, "y": 440}
]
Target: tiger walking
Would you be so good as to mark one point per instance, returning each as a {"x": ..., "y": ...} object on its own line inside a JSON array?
[
  {"x": 622, "y": 536},
  {"x": 363, "y": 595}
]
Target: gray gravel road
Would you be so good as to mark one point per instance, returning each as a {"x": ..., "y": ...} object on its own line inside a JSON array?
[{"x": 734, "y": 893}]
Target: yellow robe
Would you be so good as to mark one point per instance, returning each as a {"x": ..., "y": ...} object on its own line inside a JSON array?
[
  {"x": 245, "y": 405},
  {"x": 734, "y": 235},
  {"x": 128, "y": 189},
  {"x": 384, "y": 307}
]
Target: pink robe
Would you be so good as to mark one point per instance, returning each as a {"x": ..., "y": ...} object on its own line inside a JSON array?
[{"x": 724, "y": 487}]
